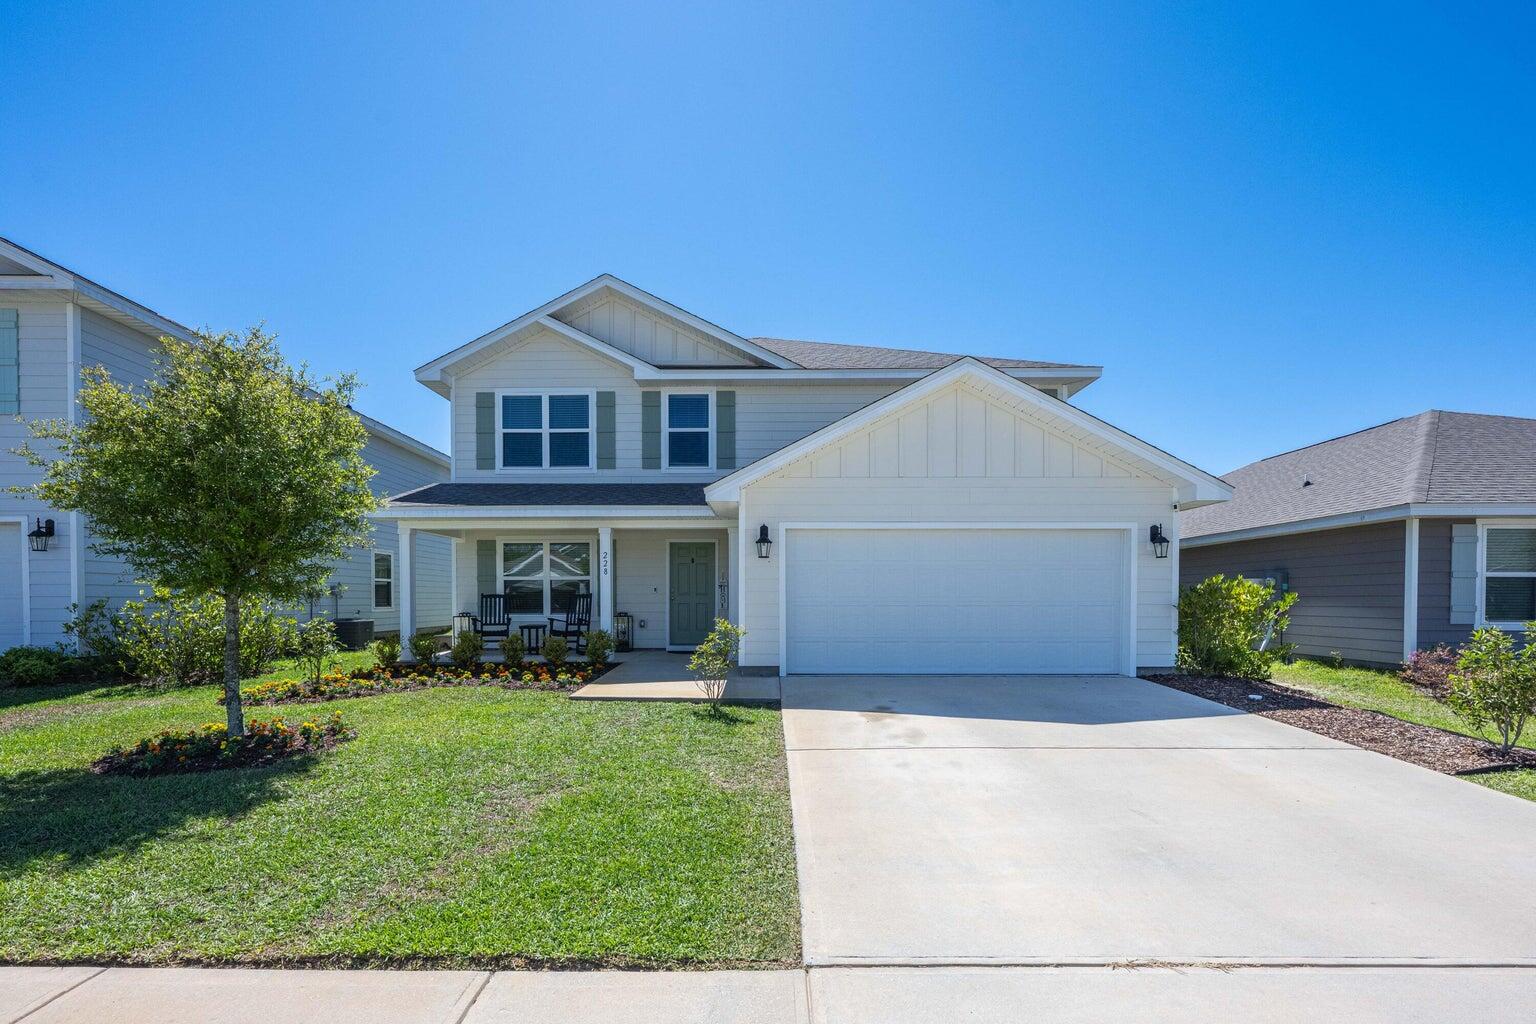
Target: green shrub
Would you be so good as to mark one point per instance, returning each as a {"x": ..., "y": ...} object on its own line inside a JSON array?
[
  {"x": 466, "y": 650},
  {"x": 1223, "y": 623},
  {"x": 513, "y": 650},
  {"x": 714, "y": 659},
  {"x": 36, "y": 666},
  {"x": 95, "y": 632},
  {"x": 1494, "y": 684},
  {"x": 424, "y": 647},
  {"x": 599, "y": 646},
  {"x": 178, "y": 640},
  {"x": 315, "y": 645},
  {"x": 555, "y": 650},
  {"x": 387, "y": 650}
]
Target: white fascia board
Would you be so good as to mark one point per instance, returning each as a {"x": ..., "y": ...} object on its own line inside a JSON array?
[
  {"x": 432, "y": 370},
  {"x": 1194, "y": 484},
  {"x": 747, "y": 375},
  {"x": 1391, "y": 513},
  {"x": 51, "y": 278},
  {"x": 480, "y": 514}
]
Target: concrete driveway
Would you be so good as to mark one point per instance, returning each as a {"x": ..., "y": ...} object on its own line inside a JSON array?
[{"x": 1105, "y": 820}]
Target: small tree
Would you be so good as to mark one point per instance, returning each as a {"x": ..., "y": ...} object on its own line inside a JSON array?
[
  {"x": 316, "y": 645},
  {"x": 714, "y": 659},
  {"x": 1494, "y": 684},
  {"x": 1227, "y": 627},
  {"x": 231, "y": 473}
]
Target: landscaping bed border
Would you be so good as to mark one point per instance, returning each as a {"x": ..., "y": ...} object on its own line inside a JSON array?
[
  {"x": 376, "y": 681},
  {"x": 1440, "y": 750}
]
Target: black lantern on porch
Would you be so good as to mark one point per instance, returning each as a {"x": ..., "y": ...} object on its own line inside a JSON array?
[
  {"x": 40, "y": 534},
  {"x": 1159, "y": 541},
  {"x": 623, "y": 631},
  {"x": 764, "y": 545}
]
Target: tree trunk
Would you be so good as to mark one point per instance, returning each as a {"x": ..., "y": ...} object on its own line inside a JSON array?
[{"x": 233, "y": 716}]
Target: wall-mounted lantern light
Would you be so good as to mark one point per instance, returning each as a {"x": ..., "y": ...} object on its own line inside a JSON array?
[
  {"x": 39, "y": 536},
  {"x": 1159, "y": 541},
  {"x": 764, "y": 545}
]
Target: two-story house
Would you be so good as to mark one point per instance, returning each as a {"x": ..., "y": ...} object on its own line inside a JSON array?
[
  {"x": 857, "y": 509},
  {"x": 53, "y": 322}
]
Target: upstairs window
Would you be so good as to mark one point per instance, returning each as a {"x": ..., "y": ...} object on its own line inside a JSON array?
[
  {"x": 1509, "y": 575},
  {"x": 687, "y": 429},
  {"x": 546, "y": 431}
]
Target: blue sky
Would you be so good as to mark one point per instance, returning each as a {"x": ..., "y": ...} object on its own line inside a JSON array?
[{"x": 1270, "y": 226}]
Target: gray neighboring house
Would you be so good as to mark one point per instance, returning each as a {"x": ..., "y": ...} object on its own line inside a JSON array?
[
  {"x": 53, "y": 322},
  {"x": 1397, "y": 537}
]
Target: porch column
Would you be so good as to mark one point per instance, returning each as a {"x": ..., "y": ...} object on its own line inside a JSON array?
[
  {"x": 732, "y": 575},
  {"x": 403, "y": 595},
  {"x": 605, "y": 578}
]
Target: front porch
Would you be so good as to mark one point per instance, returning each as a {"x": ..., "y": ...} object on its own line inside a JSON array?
[{"x": 668, "y": 578}]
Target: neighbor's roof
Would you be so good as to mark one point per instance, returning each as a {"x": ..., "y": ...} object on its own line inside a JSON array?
[
  {"x": 1434, "y": 457},
  {"x": 669, "y": 495},
  {"x": 827, "y": 355}
]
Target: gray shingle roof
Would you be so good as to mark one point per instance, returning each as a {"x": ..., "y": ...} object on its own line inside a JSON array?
[
  {"x": 1432, "y": 457},
  {"x": 552, "y": 494},
  {"x": 827, "y": 355}
]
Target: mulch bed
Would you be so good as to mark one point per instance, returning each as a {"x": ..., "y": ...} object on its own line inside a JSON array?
[
  {"x": 402, "y": 679},
  {"x": 209, "y": 747},
  {"x": 1423, "y": 745}
]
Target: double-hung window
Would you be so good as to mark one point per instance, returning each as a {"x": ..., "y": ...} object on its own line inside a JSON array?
[
  {"x": 546, "y": 431},
  {"x": 541, "y": 577},
  {"x": 383, "y": 579},
  {"x": 687, "y": 427},
  {"x": 1509, "y": 574}
]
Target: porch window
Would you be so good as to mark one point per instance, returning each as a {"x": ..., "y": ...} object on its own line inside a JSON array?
[
  {"x": 383, "y": 579},
  {"x": 687, "y": 430},
  {"x": 541, "y": 577},
  {"x": 551, "y": 431},
  {"x": 1509, "y": 575}
]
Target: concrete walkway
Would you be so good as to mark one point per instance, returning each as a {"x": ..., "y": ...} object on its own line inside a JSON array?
[
  {"x": 1150, "y": 995},
  {"x": 664, "y": 675}
]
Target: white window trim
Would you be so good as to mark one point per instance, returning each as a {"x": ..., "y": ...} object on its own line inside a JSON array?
[
  {"x": 547, "y": 578},
  {"x": 377, "y": 579},
  {"x": 666, "y": 430},
  {"x": 1483, "y": 575},
  {"x": 545, "y": 430}
]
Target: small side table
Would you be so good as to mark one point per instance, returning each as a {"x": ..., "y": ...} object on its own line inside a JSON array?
[{"x": 533, "y": 636}]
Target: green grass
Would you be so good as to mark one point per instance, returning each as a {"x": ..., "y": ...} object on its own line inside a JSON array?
[
  {"x": 461, "y": 826},
  {"x": 1377, "y": 690}
]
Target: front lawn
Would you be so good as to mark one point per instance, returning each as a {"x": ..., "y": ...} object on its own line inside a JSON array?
[
  {"x": 1376, "y": 690},
  {"x": 462, "y": 826}
]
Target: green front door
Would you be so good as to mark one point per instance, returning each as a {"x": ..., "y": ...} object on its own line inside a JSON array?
[{"x": 691, "y": 592}]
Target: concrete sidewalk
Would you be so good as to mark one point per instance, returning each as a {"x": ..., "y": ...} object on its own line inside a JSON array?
[
  {"x": 664, "y": 675},
  {"x": 1150, "y": 995}
]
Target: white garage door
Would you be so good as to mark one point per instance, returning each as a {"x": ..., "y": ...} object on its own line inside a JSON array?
[
  {"x": 946, "y": 600},
  {"x": 10, "y": 585}
]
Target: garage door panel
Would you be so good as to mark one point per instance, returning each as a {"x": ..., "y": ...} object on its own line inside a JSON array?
[{"x": 955, "y": 600}]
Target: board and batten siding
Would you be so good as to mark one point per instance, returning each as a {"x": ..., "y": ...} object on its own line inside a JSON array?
[
  {"x": 648, "y": 335},
  {"x": 1349, "y": 583},
  {"x": 768, "y": 416},
  {"x": 42, "y": 365},
  {"x": 961, "y": 457}
]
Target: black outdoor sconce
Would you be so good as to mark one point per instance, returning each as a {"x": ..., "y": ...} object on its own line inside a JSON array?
[
  {"x": 1159, "y": 541},
  {"x": 39, "y": 536},
  {"x": 764, "y": 545}
]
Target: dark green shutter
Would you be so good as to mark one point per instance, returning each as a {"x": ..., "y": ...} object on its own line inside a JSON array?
[
  {"x": 607, "y": 432},
  {"x": 10, "y": 362},
  {"x": 725, "y": 430},
  {"x": 650, "y": 429},
  {"x": 485, "y": 568},
  {"x": 485, "y": 430}
]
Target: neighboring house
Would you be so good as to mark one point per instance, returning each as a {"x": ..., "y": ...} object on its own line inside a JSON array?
[
  {"x": 1399, "y": 537},
  {"x": 919, "y": 512},
  {"x": 52, "y": 323}
]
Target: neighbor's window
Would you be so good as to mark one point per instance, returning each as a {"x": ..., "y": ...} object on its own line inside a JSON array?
[
  {"x": 687, "y": 429},
  {"x": 546, "y": 431},
  {"x": 541, "y": 577},
  {"x": 1509, "y": 574},
  {"x": 383, "y": 580}
]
